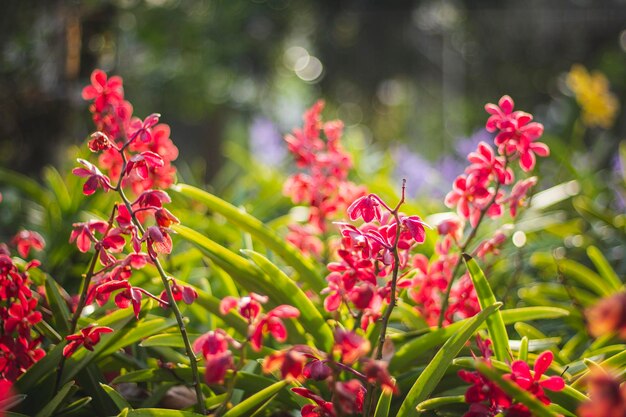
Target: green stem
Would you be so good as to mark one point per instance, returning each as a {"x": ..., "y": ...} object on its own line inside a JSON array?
[
  {"x": 193, "y": 362},
  {"x": 463, "y": 249},
  {"x": 369, "y": 399}
]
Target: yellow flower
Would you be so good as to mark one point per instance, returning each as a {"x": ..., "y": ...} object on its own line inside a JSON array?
[{"x": 599, "y": 106}]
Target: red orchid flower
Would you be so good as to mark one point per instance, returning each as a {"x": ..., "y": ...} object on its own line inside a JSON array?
[
  {"x": 152, "y": 198},
  {"x": 143, "y": 162},
  {"x": 366, "y": 207},
  {"x": 321, "y": 408},
  {"x": 26, "y": 240},
  {"x": 272, "y": 323},
  {"x": 88, "y": 337},
  {"x": 141, "y": 129},
  {"x": 95, "y": 178},
  {"x": 350, "y": 345},
  {"x": 290, "y": 362},
  {"x": 532, "y": 382},
  {"x": 218, "y": 358},
  {"x": 104, "y": 91}
]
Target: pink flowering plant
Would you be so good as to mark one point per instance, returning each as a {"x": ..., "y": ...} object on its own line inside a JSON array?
[{"x": 162, "y": 299}]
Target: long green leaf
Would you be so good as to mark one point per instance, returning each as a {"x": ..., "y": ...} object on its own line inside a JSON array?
[
  {"x": 495, "y": 324},
  {"x": 536, "y": 407},
  {"x": 157, "y": 412},
  {"x": 436, "y": 403},
  {"x": 56, "y": 401},
  {"x": 255, "y": 227},
  {"x": 575, "y": 271},
  {"x": 408, "y": 352},
  {"x": 116, "y": 397},
  {"x": 58, "y": 306},
  {"x": 310, "y": 317},
  {"x": 434, "y": 371},
  {"x": 384, "y": 404},
  {"x": 242, "y": 270},
  {"x": 251, "y": 403},
  {"x": 604, "y": 267}
]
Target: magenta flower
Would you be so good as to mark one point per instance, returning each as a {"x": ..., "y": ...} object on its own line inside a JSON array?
[
  {"x": 95, "y": 178},
  {"x": 272, "y": 323},
  {"x": 532, "y": 382},
  {"x": 26, "y": 240},
  {"x": 88, "y": 337},
  {"x": 366, "y": 207}
]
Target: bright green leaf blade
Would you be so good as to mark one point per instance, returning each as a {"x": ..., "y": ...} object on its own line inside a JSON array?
[
  {"x": 58, "y": 306},
  {"x": 522, "y": 355},
  {"x": 604, "y": 267},
  {"x": 242, "y": 270},
  {"x": 255, "y": 227},
  {"x": 572, "y": 269},
  {"x": 409, "y": 352},
  {"x": 384, "y": 404},
  {"x": 310, "y": 317},
  {"x": 120, "y": 402},
  {"x": 436, "y": 403},
  {"x": 536, "y": 407},
  {"x": 495, "y": 324},
  {"x": 251, "y": 403},
  {"x": 56, "y": 401},
  {"x": 157, "y": 412},
  {"x": 434, "y": 371}
]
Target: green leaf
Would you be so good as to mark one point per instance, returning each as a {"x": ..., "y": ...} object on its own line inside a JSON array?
[
  {"x": 58, "y": 306},
  {"x": 75, "y": 407},
  {"x": 614, "y": 362},
  {"x": 246, "y": 381},
  {"x": 522, "y": 354},
  {"x": 255, "y": 227},
  {"x": 120, "y": 402},
  {"x": 167, "y": 339},
  {"x": 434, "y": 371},
  {"x": 536, "y": 407},
  {"x": 251, "y": 403},
  {"x": 57, "y": 185},
  {"x": 243, "y": 271},
  {"x": 436, "y": 403},
  {"x": 157, "y": 412},
  {"x": 384, "y": 404},
  {"x": 572, "y": 269},
  {"x": 310, "y": 317},
  {"x": 604, "y": 267},
  {"x": 408, "y": 352},
  {"x": 56, "y": 401},
  {"x": 495, "y": 324}
]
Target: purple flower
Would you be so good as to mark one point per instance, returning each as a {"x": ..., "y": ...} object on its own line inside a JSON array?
[{"x": 266, "y": 142}]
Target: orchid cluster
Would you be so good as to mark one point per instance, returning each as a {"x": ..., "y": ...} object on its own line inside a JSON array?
[
  {"x": 137, "y": 154},
  {"x": 303, "y": 363},
  {"x": 214, "y": 345},
  {"x": 372, "y": 258},
  {"x": 486, "y": 399},
  {"x": 323, "y": 183},
  {"x": 478, "y": 192},
  {"x": 19, "y": 309}
]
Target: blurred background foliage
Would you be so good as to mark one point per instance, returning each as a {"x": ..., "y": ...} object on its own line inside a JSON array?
[
  {"x": 401, "y": 72},
  {"x": 408, "y": 78}
]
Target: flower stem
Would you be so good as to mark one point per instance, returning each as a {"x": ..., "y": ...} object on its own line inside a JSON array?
[
  {"x": 463, "y": 249},
  {"x": 193, "y": 362},
  {"x": 369, "y": 399}
]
